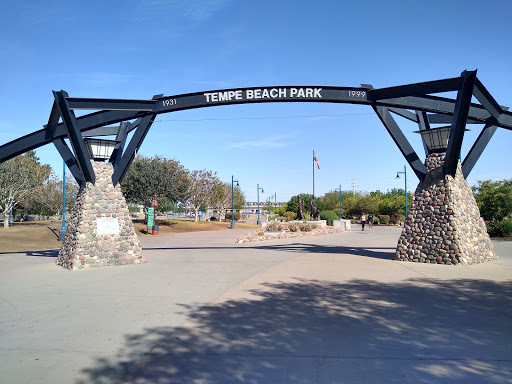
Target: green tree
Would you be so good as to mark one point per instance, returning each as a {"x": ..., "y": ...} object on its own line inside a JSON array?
[
  {"x": 155, "y": 178},
  {"x": 221, "y": 198},
  {"x": 331, "y": 200},
  {"x": 350, "y": 207},
  {"x": 200, "y": 189},
  {"x": 494, "y": 199},
  {"x": 45, "y": 200},
  {"x": 20, "y": 177}
]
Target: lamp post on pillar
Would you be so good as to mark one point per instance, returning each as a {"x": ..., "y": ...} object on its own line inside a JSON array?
[
  {"x": 233, "y": 225},
  {"x": 405, "y": 178},
  {"x": 262, "y": 191}
]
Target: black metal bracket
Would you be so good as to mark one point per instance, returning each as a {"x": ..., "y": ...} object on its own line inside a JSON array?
[
  {"x": 129, "y": 154},
  {"x": 460, "y": 116},
  {"x": 401, "y": 141},
  {"x": 62, "y": 147},
  {"x": 75, "y": 136}
]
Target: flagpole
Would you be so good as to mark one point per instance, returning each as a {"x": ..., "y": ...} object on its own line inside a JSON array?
[{"x": 313, "y": 172}]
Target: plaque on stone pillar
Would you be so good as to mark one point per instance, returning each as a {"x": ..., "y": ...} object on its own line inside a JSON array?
[
  {"x": 107, "y": 226},
  {"x": 100, "y": 230}
]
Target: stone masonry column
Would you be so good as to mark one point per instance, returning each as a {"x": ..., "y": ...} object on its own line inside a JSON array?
[
  {"x": 100, "y": 231},
  {"x": 444, "y": 224}
]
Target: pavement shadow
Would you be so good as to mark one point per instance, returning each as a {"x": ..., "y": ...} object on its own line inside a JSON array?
[
  {"x": 374, "y": 252},
  {"x": 311, "y": 331},
  {"x": 44, "y": 253}
]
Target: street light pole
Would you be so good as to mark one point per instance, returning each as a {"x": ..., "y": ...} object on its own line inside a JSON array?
[
  {"x": 258, "y": 186},
  {"x": 10, "y": 211},
  {"x": 233, "y": 225},
  {"x": 275, "y": 205},
  {"x": 405, "y": 177},
  {"x": 340, "y": 201}
]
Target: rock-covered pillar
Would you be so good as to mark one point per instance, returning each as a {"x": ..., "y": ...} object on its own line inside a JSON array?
[
  {"x": 100, "y": 231},
  {"x": 444, "y": 224}
]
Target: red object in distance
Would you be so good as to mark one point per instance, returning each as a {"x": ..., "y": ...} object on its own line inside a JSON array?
[{"x": 155, "y": 203}]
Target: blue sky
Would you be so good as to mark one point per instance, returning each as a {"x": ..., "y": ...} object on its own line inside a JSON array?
[{"x": 136, "y": 49}]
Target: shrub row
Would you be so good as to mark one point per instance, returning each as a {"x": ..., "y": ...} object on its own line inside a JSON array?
[
  {"x": 292, "y": 227},
  {"x": 228, "y": 215},
  {"x": 501, "y": 228}
]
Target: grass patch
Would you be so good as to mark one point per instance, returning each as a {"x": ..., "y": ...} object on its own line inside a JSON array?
[
  {"x": 41, "y": 235},
  {"x": 30, "y": 236}
]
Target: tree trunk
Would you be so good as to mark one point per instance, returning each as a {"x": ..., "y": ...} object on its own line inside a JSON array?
[
  {"x": 196, "y": 214},
  {"x": 6, "y": 220}
]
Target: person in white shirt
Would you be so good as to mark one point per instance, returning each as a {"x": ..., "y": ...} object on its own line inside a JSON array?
[{"x": 363, "y": 220}]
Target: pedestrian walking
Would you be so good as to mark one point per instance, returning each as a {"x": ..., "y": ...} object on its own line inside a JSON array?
[
  {"x": 363, "y": 220},
  {"x": 370, "y": 221}
]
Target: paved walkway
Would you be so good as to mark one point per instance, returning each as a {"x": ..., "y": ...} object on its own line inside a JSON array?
[{"x": 327, "y": 309}]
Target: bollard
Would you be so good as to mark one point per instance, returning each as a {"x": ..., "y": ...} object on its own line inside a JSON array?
[{"x": 154, "y": 230}]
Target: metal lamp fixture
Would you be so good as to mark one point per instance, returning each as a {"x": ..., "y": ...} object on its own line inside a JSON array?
[
  {"x": 436, "y": 139},
  {"x": 100, "y": 149}
]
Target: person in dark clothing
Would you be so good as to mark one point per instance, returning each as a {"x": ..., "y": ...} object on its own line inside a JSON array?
[{"x": 370, "y": 221}]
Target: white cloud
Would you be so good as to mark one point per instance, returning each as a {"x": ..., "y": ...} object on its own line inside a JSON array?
[
  {"x": 191, "y": 11},
  {"x": 270, "y": 143}
]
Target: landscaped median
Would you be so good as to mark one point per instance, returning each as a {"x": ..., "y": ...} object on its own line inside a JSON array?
[{"x": 277, "y": 230}]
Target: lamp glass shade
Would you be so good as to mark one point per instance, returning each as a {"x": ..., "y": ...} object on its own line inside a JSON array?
[
  {"x": 436, "y": 139},
  {"x": 100, "y": 149}
]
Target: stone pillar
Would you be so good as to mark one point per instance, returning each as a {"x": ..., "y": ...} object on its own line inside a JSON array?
[
  {"x": 444, "y": 224},
  {"x": 100, "y": 231}
]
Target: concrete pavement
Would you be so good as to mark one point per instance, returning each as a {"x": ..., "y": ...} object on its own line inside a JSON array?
[{"x": 326, "y": 309}]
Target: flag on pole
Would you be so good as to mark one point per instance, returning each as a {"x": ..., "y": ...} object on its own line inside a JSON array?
[{"x": 315, "y": 159}]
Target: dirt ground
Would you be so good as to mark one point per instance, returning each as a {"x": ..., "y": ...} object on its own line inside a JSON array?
[{"x": 40, "y": 235}]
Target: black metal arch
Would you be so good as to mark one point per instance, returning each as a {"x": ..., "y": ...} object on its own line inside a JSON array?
[{"x": 414, "y": 102}]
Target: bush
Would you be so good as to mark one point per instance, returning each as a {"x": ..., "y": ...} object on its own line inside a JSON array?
[
  {"x": 384, "y": 219},
  {"x": 289, "y": 215},
  {"x": 506, "y": 226},
  {"x": 274, "y": 226},
  {"x": 304, "y": 227},
  {"x": 261, "y": 233},
  {"x": 330, "y": 216},
  {"x": 294, "y": 227},
  {"x": 500, "y": 229},
  {"x": 394, "y": 219},
  {"x": 228, "y": 216},
  {"x": 376, "y": 220}
]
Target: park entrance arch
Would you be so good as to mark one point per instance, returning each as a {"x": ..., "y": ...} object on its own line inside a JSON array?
[{"x": 416, "y": 102}]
